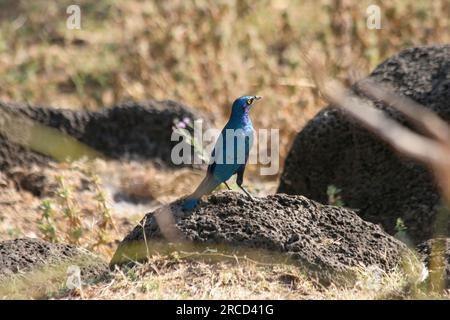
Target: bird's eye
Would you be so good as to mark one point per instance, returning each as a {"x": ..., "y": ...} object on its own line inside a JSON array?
[{"x": 249, "y": 101}]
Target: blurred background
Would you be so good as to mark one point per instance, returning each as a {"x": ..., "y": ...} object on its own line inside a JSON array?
[{"x": 201, "y": 53}]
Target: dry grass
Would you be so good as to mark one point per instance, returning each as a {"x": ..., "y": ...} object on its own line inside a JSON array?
[
  {"x": 164, "y": 277},
  {"x": 178, "y": 274},
  {"x": 202, "y": 53},
  {"x": 106, "y": 199},
  {"x": 49, "y": 281},
  {"x": 430, "y": 146},
  {"x": 184, "y": 276},
  {"x": 91, "y": 191}
]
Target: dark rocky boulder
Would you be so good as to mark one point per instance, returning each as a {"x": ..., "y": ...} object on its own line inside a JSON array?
[
  {"x": 334, "y": 150},
  {"x": 328, "y": 241},
  {"x": 130, "y": 130},
  {"x": 24, "y": 255}
]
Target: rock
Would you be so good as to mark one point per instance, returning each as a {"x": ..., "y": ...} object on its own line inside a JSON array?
[
  {"x": 383, "y": 186},
  {"x": 329, "y": 241},
  {"x": 438, "y": 251},
  {"x": 136, "y": 131},
  {"x": 26, "y": 254},
  {"x": 12, "y": 155},
  {"x": 129, "y": 130}
]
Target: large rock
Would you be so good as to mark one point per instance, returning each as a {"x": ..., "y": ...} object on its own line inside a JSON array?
[
  {"x": 328, "y": 241},
  {"x": 334, "y": 150},
  {"x": 26, "y": 254},
  {"x": 130, "y": 130}
]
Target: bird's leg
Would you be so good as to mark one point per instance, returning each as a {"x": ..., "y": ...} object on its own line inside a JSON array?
[
  {"x": 240, "y": 179},
  {"x": 246, "y": 192},
  {"x": 227, "y": 185}
]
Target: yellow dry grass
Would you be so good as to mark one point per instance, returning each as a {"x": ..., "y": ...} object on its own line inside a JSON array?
[
  {"x": 203, "y": 53},
  {"x": 186, "y": 276}
]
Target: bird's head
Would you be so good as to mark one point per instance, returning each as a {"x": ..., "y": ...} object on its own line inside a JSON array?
[{"x": 243, "y": 104}]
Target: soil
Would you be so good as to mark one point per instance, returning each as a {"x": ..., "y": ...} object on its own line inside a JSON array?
[
  {"x": 27, "y": 254},
  {"x": 329, "y": 241}
]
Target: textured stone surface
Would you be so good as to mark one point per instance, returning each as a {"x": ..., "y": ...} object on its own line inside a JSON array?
[
  {"x": 130, "y": 130},
  {"x": 327, "y": 240},
  {"x": 26, "y": 254},
  {"x": 334, "y": 150}
]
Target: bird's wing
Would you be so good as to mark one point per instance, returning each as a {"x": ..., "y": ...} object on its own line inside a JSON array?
[
  {"x": 212, "y": 165},
  {"x": 218, "y": 150},
  {"x": 248, "y": 145},
  {"x": 228, "y": 163},
  {"x": 211, "y": 168}
]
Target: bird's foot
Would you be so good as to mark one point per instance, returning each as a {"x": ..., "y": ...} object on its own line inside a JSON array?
[{"x": 247, "y": 193}]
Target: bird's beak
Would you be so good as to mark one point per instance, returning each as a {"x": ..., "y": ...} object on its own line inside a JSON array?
[{"x": 256, "y": 98}]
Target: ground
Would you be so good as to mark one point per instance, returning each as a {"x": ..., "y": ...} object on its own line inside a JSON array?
[{"x": 214, "y": 52}]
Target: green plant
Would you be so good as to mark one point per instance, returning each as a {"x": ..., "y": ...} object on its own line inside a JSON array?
[
  {"x": 70, "y": 211},
  {"x": 185, "y": 128},
  {"x": 334, "y": 197},
  {"x": 401, "y": 233},
  {"x": 106, "y": 222},
  {"x": 46, "y": 223},
  {"x": 400, "y": 225}
]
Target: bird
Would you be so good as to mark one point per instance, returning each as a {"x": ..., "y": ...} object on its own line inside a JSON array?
[{"x": 230, "y": 153}]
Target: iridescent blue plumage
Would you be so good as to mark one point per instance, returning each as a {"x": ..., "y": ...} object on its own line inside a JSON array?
[{"x": 230, "y": 153}]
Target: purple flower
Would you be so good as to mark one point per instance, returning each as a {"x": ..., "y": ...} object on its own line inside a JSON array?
[{"x": 186, "y": 120}]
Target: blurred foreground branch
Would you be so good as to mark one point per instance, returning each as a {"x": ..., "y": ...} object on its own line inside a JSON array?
[{"x": 432, "y": 147}]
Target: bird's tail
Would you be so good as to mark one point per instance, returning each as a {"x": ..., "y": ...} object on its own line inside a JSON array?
[{"x": 206, "y": 186}]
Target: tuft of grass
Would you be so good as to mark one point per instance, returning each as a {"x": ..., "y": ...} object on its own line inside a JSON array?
[
  {"x": 77, "y": 211},
  {"x": 46, "y": 282},
  {"x": 47, "y": 224},
  {"x": 180, "y": 276},
  {"x": 106, "y": 221},
  {"x": 70, "y": 211}
]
